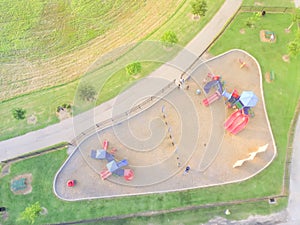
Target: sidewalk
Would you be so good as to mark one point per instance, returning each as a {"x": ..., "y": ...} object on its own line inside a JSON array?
[
  {"x": 64, "y": 131},
  {"x": 294, "y": 196}
]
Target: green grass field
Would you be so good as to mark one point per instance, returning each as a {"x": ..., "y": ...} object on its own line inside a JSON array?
[
  {"x": 44, "y": 28},
  {"x": 281, "y": 99},
  {"x": 272, "y": 3},
  {"x": 34, "y": 103},
  {"x": 61, "y": 211}
]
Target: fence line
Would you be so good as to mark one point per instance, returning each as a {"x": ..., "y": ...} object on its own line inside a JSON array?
[
  {"x": 37, "y": 153},
  {"x": 267, "y": 9},
  {"x": 289, "y": 151}
]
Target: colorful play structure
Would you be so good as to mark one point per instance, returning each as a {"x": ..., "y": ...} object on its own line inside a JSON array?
[
  {"x": 269, "y": 35},
  {"x": 243, "y": 103},
  {"x": 113, "y": 166},
  {"x": 252, "y": 155}
]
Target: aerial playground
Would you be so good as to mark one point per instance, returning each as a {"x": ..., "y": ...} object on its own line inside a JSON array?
[{"x": 206, "y": 124}]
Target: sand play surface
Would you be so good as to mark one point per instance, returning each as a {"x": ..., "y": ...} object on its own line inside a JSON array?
[{"x": 175, "y": 131}]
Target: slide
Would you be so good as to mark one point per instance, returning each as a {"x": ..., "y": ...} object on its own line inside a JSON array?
[
  {"x": 105, "y": 174},
  {"x": 105, "y": 144},
  {"x": 211, "y": 99},
  {"x": 238, "y": 124},
  {"x": 241, "y": 126},
  {"x": 232, "y": 117}
]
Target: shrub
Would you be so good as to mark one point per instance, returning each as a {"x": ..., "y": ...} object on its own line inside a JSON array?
[
  {"x": 199, "y": 7},
  {"x": 31, "y": 212},
  {"x": 251, "y": 21},
  {"x": 87, "y": 92},
  {"x": 169, "y": 38},
  {"x": 19, "y": 113},
  {"x": 134, "y": 68}
]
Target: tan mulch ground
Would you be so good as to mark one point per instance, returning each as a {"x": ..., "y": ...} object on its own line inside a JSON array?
[{"x": 210, "y": 151}]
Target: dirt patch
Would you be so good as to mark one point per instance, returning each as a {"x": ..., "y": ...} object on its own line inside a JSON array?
[
  {"x": 63, "y": 114},
  {"x": 44, "y": 211},
  {"x": 267, "y": 77},
  {"x": 32, "y": 119},
  {"x": 194, "y": 17},
  {"x": 267, "y": 36},
  {"x": 5, "y": 216},
  {"x": 28, "y": 189},
  {"x": 287, "y": 31},
  {"x": 286, "y": 58},
  {"x": 242, "y": 31},
  {"x": 258, "y": 3},
  {"x": 5, "y": 170}
]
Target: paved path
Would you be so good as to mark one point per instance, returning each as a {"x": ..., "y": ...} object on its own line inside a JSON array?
[
  {"x": 297, "y": 3},
  {"x": 294, "y": 197},
  {"x": 64, "y": 131}
]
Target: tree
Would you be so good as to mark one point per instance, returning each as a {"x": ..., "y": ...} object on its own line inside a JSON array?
[
  {"x": 295, "y": 18},
  {"x": 251, "y": 21},
  {"x": 294, "y": 47},
  {"x": 87, "y": 92},
  {"x": 169, "y": 38},
  {"x": 31, "y": 212},
  {"x": 19, "y": 113},
  {"x": 199, "y": 7},
  {"x": 133, "y": 68}
]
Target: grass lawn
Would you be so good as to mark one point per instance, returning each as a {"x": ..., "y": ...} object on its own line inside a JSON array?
[
  {"x": 40, "y": 28},
  {"x": 281, "y": 99},
  {"x": 34, "y": 103},
  {"x": 272, "y": 3},
  {"x": 61, "y": 211}
]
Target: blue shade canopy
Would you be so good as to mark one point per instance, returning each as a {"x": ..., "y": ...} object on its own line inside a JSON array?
[
  {"x": 112, "y": 166},
  {"x": 248, "y": 99},
  {"x": 100, "y": 154}
]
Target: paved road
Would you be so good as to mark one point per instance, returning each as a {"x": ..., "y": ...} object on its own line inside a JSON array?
[
  {"x": 294, "y": 197},
  {"x": 64, "y": 131}
]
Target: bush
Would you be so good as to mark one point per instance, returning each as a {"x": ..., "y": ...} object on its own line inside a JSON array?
[
  {"x": 251, "y": 21},
  {"x": 19, "y": 113},
  {"x": 169, "y": 38},
  {"x": 87, "y": 92},
  {"x": 199, "y": 7},
  {"x": 134, "y": 68},
  {"x": 31, "y": 212}
]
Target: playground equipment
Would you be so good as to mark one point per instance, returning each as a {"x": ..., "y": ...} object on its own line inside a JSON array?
[
  {"x": 242, "y": 63},
  {"x": 236, "y": 122},
  {"x": 215, "y": 82},
  {"x": 105, "y": 145},
  {"x": 211, "y": 99},
  {"x": 251, "y": 156},
  {"x": 239, "y": 119},
  {"x": 18, "y": 185},
  {"x": 113, "y": 166},
  {"x": 269, "y": 35},
  {"x": 71, "y": 183}
]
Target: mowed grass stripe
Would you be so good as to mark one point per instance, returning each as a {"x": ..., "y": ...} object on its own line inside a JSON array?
[
  {"x": 61, "y": 69},
  {"x": 69, "y": 65}
]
